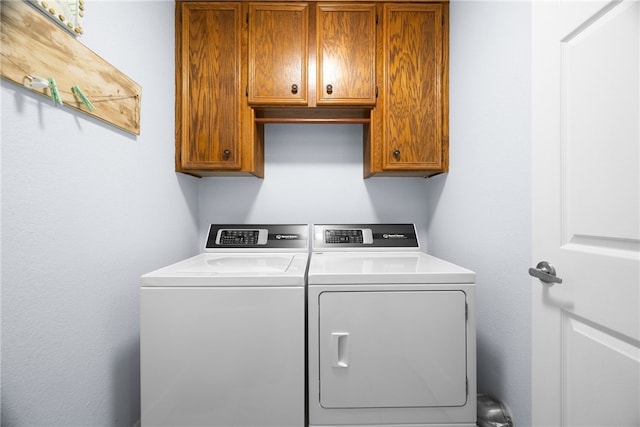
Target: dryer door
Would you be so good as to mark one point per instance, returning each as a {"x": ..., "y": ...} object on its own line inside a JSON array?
[{"x": 392, "y": 349}]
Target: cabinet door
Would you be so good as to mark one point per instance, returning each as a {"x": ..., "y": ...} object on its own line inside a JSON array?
[
  {"x": 346, "y": 49},
  {"x": 415, "y": 87},
  {"x": 210, "y": 86},
  {"x": 392, "y": 349},
  {"x": 278, "y": 53}
]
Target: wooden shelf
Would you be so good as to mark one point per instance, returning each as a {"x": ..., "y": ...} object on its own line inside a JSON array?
[
  {"x": 310, "y": 120},
  {"x": 313, "y": 115}
]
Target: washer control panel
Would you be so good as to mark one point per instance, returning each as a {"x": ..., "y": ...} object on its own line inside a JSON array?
[
  {"x": 252, "y": 237},
  {"x": 233, "y": 236}
]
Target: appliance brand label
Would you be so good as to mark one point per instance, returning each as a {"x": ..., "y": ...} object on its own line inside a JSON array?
[
  {"x": 287, "y": 236},
  {"x": 394, "y": 236}
]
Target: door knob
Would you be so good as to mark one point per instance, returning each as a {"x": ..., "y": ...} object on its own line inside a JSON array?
[
  {"x": 329, "y": 89},
  {"x": 545, "y": 272},
  {"x": 294, "y": 88},
  {"x": 396, "y": 154},
  {"x": 226, "y": 153}
]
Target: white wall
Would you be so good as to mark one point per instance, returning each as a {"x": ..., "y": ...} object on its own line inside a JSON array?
[
  {"x": 86, "y": 209},
  {"x": 480, "y": 213},
  {"x": 477, "y": 215},
  {"x": 313, "y": 174}
]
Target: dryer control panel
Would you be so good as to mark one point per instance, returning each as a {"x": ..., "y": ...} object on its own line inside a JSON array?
[
  {"x": 365, "y": 236},
  {"x": 362, "y": 236}
]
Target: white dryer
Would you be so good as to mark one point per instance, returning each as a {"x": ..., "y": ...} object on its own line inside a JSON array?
[
  {"x": 391, "y": 331},
  {"x": 222, "y": 334}
]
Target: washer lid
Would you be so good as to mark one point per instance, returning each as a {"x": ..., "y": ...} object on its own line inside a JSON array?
[
  {"x": 383, "y": 268},
  {"x": 232, "y": 269}
]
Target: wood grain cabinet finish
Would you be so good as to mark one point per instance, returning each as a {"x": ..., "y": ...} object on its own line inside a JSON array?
[
  {"x": 312, "y": 54},
  {"x": 215, "y": 134},
  {"x": 346, "y": 49},
  {"x": 278, "y": 53},
  {"x": 409, "y": 127},
  {"x": 240, "y": 65}
]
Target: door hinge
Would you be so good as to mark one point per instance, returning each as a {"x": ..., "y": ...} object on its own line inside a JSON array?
[
  {"x": 246, "y": 91},
  {"x": 376, "y": 19},
  {"x": 376, "y": 91},
  {"x": 467, "y": 386},
  {"x": 247, "y": 18}
]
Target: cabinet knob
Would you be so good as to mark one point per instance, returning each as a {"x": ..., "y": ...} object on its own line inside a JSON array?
[
  {"x": 226, "y": 153},
  {"x": 329, "y": 89},
  {"x": 294, "y": 88},
  {"x": 396, "y": 154}
]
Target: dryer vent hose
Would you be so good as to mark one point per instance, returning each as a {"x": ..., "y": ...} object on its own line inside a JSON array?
[{"x": 492, "y": 413}]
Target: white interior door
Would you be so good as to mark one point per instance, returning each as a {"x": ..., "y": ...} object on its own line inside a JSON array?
[{"x": 586, "y": 215}]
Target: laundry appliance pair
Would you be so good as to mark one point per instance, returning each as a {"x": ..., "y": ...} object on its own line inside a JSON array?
[{"x": 364, "y": 329}]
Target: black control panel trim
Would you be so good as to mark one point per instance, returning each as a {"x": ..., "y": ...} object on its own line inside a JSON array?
[
  {"x": 335, "y": 236},
  {"x": 258, "y": 236}
]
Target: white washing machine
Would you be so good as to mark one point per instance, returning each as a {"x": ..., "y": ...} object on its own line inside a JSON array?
[
  {"x": 391, "y": 331},
  {"x": 222, "y": 334}
]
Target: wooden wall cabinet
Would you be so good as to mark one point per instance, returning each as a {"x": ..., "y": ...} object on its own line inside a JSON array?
[
  {"x": 312, "y": 54},
  {"x": 215, "y": 132},
  {"x": 346, "y": 54},
  {"x": 409, "y": 132},
  {"x": 242, "y": 64},
  {"x": 278, "y": 53}
]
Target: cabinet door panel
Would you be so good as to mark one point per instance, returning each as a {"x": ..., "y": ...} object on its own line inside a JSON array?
[
  {"x": 278, "y": 53},
  {"x": 413, "y": 64},
  {"x": 346, "y": 48},
  {"x": 211, "y": 45}
]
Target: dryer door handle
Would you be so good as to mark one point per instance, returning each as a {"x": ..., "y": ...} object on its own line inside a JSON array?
[{"x": 340, "y": 349}]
